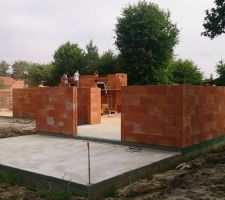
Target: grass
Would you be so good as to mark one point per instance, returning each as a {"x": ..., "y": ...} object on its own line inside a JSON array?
[
  {"x": 56, "y": 194},
  {"x": 7, "y": 177}
]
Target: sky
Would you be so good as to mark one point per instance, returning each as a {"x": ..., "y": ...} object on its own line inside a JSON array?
[{"x": 32, "y": 30}]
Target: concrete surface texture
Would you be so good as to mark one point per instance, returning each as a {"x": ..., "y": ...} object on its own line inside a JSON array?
[
  {"x": 66, "y": 158},
  {"x": 110, "y": 128}
]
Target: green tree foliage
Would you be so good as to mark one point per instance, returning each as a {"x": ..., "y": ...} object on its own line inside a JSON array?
[
  {"x": 108, "y": 63},
  {"x": 220, "y": 69},
  {"x": 91, "y": 58},
  {"x": 67, "y": 58},
  {"x": 21, "y": 69},
  {"x": 184, "y": 72},
  {"x": 39, "y": 73},
  {"x": 214, "y": 22},
  {"x": 4, "y": 66},
  {"x": 2, "y": 86},
  {"x": 145, "y": 37}
]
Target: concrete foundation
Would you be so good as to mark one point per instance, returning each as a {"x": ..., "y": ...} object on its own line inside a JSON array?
[
  {"x": 109, "y": 129},
  {"x": 66, "y": 158}
]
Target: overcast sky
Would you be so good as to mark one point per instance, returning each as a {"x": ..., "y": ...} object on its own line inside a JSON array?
[{"x": 33, "y": 29}]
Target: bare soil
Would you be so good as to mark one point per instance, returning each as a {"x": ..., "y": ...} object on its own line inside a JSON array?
[
  {"x": 200, "y": 179},
  {"x": 11, "y": 127}
]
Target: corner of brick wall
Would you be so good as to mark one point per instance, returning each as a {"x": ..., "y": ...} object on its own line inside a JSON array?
[
  {"x": 174, "y": 116},
  {"x": 55, "y": 108},
  {"x": 204, "y": 113}
]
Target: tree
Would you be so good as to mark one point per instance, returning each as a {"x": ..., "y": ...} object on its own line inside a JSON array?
[
  {"x": 91, "y": 58},
  {"x": 220, "y": 69},
  {"x": 2, "y": 86},
  {"x": 214, "y": 22},
  {"x": 40, "y": 72},
  {"x": 145, "y": 37},
  {"x": 108, "y": 63},
  {"x": 4, "y": 66},
  {"x": 21, "y": 69},
  {"x": 67, "y": 58},
  {"x": 184, "y": 72}
]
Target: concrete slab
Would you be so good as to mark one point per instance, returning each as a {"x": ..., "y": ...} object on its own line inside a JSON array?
[
  {"x": 109, "y": 129},
  {"x": 66, "y": 158}
]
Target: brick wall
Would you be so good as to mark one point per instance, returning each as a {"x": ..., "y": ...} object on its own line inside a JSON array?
[
  {"x": 116, "y": 81},
  {"x": 19, "y": 84},
  {"x": 25, "y": 102},
  {"x": 88, "y": 81},
  {"x": 174, "y": 116},
  {"x": 6, "y": 99},
  {"x": 6, "y": 94},
  {"x": 10, "y": 83},
  {"x": 113, "y": 81},
  {"x": 55, "y": 109},
  {"x": 204, "y": 113},
  {"x": 58, "y": 110},
  {"x": 89, "y": 105}
]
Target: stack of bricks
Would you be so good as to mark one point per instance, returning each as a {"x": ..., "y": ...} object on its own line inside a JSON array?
[
  {"x": 173, "y": 116},
  {"x": 89, "y": 105},
  {"x": 55, "y": 109},
  {"x": 5, "y": 99}
]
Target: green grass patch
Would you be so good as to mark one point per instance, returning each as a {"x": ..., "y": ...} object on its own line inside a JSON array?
[
  {"x": 57, "y": 194},
  {"x": 6, "y": 177}
]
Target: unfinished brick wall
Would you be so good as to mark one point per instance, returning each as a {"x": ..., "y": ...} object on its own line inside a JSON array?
[
  {"x": 5, "y": 99},
  {"x": 55, "y": 109},
  {"x": 25, "y": 102},
  {"x": 112, "y": 100},
  {"x": 174, "y": 116},
  {"x": 116, "y": 81},
  {"x": 204, "y": 113},
  {"x": 10, "y": 83},
  {"x": 89, "y": 105},
  {"x": 88, "y": 81},
  {"x": 113, "y": 81},
  {"x": 58, "y": 111},
  {"x": 152, "y": 115},
  {"x": 6, "y": 93}
]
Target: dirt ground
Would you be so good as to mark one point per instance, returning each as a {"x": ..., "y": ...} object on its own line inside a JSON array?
[
  {"x": 200, "y": 179},
  {"x": 11, "y": 127}
]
